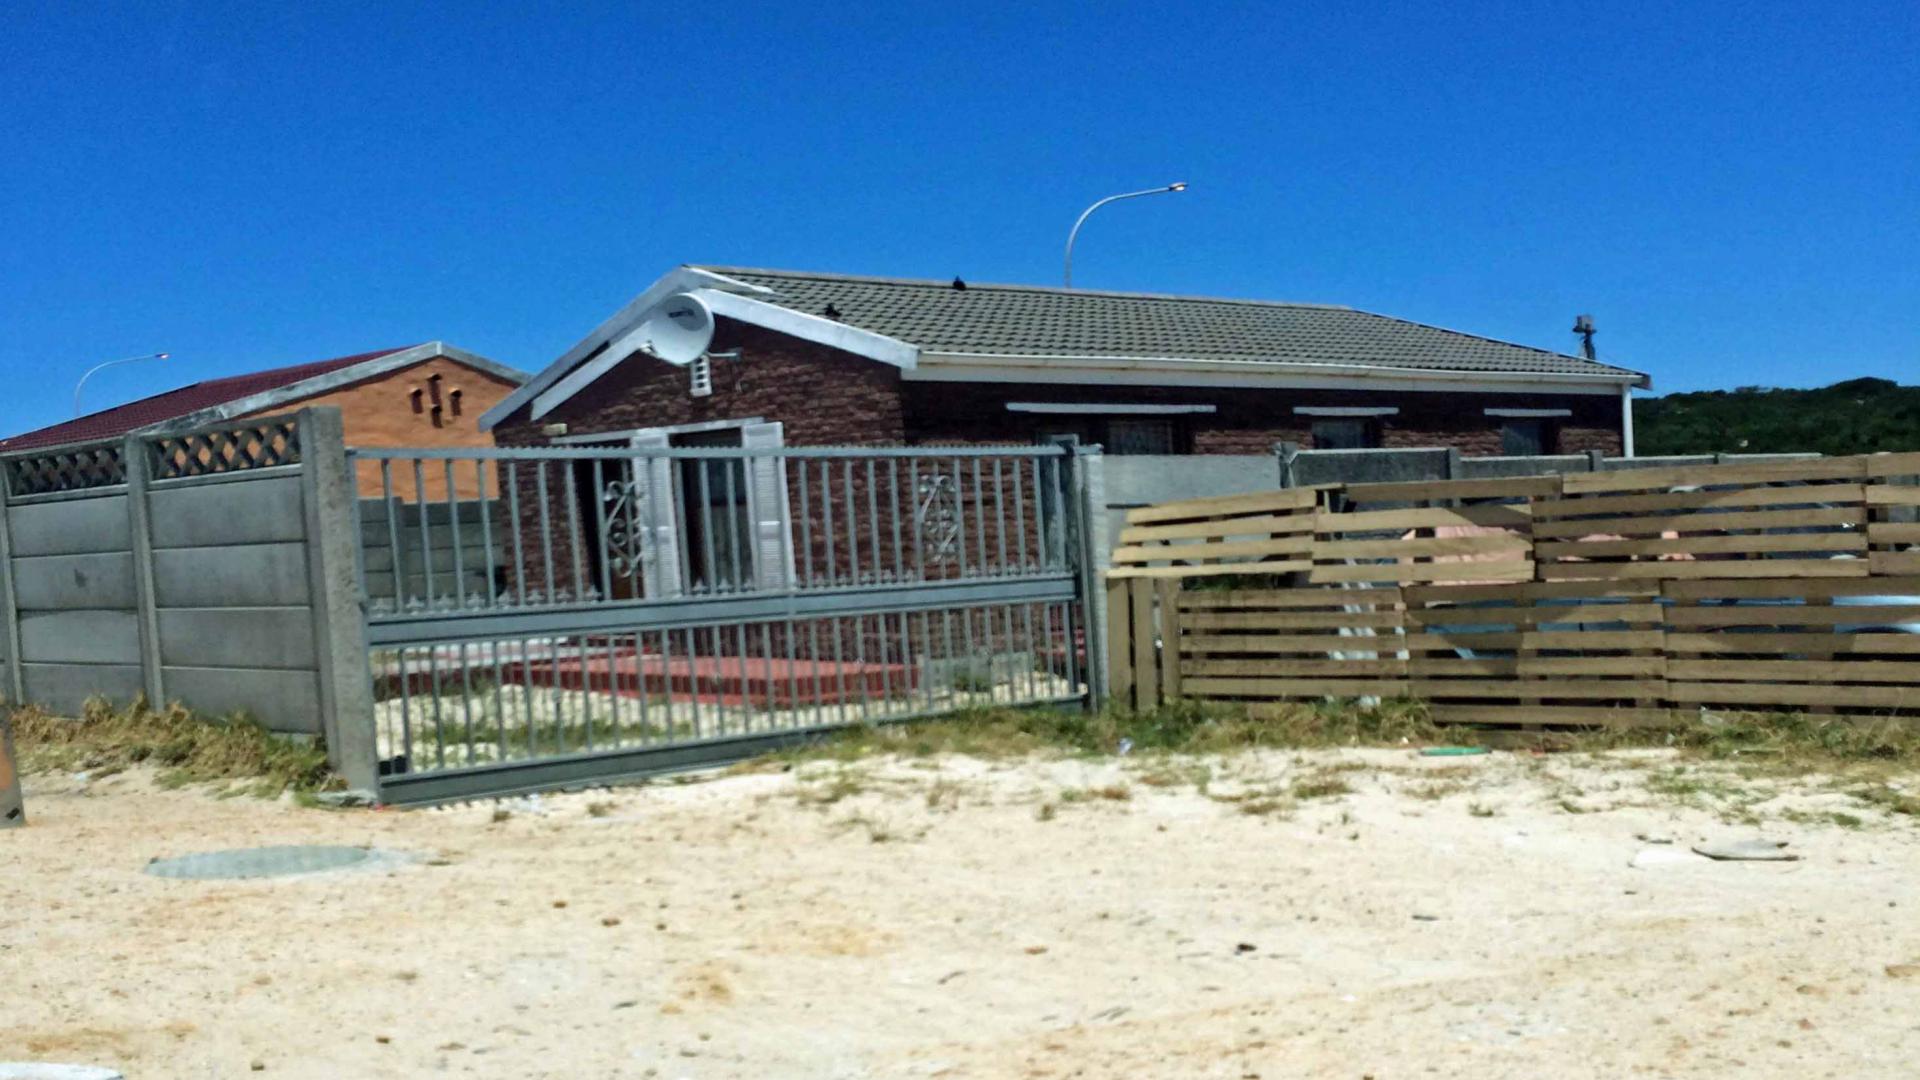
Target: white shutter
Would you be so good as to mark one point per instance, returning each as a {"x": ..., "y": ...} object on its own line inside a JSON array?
[
  {"x": 767, "y": 506},
  {"x": 659, "y": 525}
]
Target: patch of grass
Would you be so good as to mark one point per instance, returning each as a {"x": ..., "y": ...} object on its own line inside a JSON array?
[
  {"x": 1320, "y": 785},
  {"x": 1886, "y": 798},
  {"x": 1481, "y": 810},
  {"x": 599, "y": 808},
  {"x": 1046, "y": 811},
  {"x": 1848, "y": 821},
  {"x": 840, "y": 784},
  {"x": 943, "y": 794},
  {"x": 186, "y": 747}
]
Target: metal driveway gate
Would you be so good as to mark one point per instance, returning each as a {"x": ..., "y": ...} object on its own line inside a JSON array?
[{"x": 546, "y": 617}]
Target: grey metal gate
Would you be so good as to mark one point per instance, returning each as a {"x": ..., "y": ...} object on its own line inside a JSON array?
[{"x": 540, "y": 618}]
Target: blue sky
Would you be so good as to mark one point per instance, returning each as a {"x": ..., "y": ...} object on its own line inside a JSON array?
[{"x": 1732, "y": 190}]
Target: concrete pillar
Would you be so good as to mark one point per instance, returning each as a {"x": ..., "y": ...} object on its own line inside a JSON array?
[
  {"x": 339, "y": 616},
  {"x": 12, "y": 681},
  {"x": 138, "y": 463},
  {"x": 1095, "y": 555}
]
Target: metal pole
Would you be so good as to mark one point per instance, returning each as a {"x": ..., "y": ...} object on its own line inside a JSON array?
[
  {"x": 102, "y": 367},
  {"x": 1088, "y": 212}
]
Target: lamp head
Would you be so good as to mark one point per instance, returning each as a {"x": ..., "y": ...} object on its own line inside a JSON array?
[{"x": 1180, "y": 186}]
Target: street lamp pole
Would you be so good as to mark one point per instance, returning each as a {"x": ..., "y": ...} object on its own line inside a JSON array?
[
  {"x": 1180, "y": 186},
  {"x": 100, "y": 367}
]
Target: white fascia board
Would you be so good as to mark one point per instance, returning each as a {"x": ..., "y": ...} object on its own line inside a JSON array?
[
  {"x": 678, "y": 280},
  {"x": 1127, "y": 371},
  {"x": 1097, "y": 408},
  {"x": 1346, "y": 410},
  {"x": 822, "y": 331},
  {"x": 1528, "y": 414}
]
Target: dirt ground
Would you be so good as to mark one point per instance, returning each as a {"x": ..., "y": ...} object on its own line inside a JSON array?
[{"x": 1324, "y": 914}]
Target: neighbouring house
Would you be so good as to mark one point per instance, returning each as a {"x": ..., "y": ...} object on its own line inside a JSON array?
[
  {"x": 839, "y": 359},
  {"x": 429, "y": 395}
]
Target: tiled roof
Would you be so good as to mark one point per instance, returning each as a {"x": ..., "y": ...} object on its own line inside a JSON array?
[
  {"x": 160, "y": 408},
  {"x": 1023, "y": 320}
]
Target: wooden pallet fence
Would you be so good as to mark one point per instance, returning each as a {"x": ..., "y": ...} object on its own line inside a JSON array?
[
  {"x": 1848, "y": 645},
  {"x": 1535, "y": 653},
  {"x": 1282, "y": 644},
  {"x": 1775, "y": 520},
  {"x": 1893, "y": 514},
  {"x": 1269, "y": 532}
]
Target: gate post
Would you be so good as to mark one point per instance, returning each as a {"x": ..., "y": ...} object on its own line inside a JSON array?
[
  {"x": 12, "y": 690},
  {"x": 339, "y": 615},
  {"x": 1093, "y": 555}
]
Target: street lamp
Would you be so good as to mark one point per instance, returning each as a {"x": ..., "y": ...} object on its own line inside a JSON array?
[
  {"x": 108, "y": 364},
  {"x": 1181, "y": 186}
]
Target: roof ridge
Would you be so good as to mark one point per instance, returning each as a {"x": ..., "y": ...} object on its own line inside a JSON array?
[{"x": 871, "y": 279}]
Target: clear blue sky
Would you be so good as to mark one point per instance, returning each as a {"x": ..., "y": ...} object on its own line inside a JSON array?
[{"x": 1733, "y": 191}]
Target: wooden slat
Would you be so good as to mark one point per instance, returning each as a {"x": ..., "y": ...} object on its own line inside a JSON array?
[
  {"x": 1293, "y": 620},
  {"x": 1146, "y": 668},
  {"x": 1701, "y": 545},
  {"x": 1629, "y": 505},
  {"x": 1640, "y": 667},
  {"x": 1535, "y": 639},
  {"x": 1727, "y": 568},
  {"x": 1889, "y": 643},
  {"x": 1894, "y": 532},
  {"x": 1120, "y": 640},
  {"x": 1828, "y": 516},
  {"x": 1791, "y": 588},
  {"x": 1907, "y": 464},
  {"x": 1598, "y": 689},
  {"x": 1287, "y": 598},
  {"x": 1195, "y": 644},
  {"x": 1893, "y": 563},
  {"x": 1517, "y": 592},
  {"x": 1838, "y": 468},
  {"x": 1237, "y": 549},
  {"x": 1583, "y": 715},
  {"x": 1426, "y": 548},
  {"x": 1791, "y": 694},
  {"x": 1168, "y": 597},
  {"x": 1295, "y": 669},
  {"x": 1287, "y": 566},
  {"x": 1892, "y": 495},
  {"x": 1501, "y": 487},
  {"x": 1451, "y": 571},
  {"x": 1827, "y": 671},
  {"x": 1482, "y": 666},
  {"x": 1793, "y": 615},
  {"x": 1260, "y": 502},
  {"x": 1532, "y": 615},
  {"x": 1428, "y": 518},
  {"x": 1238, "y": 526},
  {"x": 1276, "y": 688}
]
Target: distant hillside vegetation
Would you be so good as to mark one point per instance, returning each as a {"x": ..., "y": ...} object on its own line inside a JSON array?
[{"x": 1859, "y": 416}]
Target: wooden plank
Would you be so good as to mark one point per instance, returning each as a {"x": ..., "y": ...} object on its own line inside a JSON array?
[
  {"x": 1585, "y": 715},
  {"x": 1907, "y": 464},
  {"x": 1294, "y": 688},
  {"x": 1528, "y": 615},
  {"x": 1791, "y": 588},
  {"x": 1828, "y": 516},
  {"x": 1537, "y": 639},
  {"x": 1529, "y": 590},
  {"x": 1293, "y": 620},
  {"x": 1428, "y": 518},
  {"x": 1426, "y": 548},
  {"x": 1701, "y": 545},
  {"x": 1793, "y": 615},
  {"x": 1639, "y": 667},
  {"x": 1892, "y": 495},
  {"x": 1741, "y": 643},
  {"x": 1830, "y": 671},
  {"x": 1630, "y": 505},
  {"x": 1501, "y": 487},
  {"x": 1894, "y": 562},
  {"x": 1792, "y": 694},
  {"x": 1728, "y": 568},
  {"x": 1146, "y": 667},
  {"x": 1170, "y": 629},
  {"x": 1483, "y": 666},
  {"x": 1599, "y": 689},
  {"x": 1239, "y": 549},
  {"x": 1287, "y": 598},
  {"x": 1837, "y": 468},
  {"x": 1894, "y": 532},
  {"x": 1260, "y": 502},
  {"x": 1215, "y": 570},
  {"x": 1120, "y": 642},
  {"x": 1258, "y": 644},
  {"x": 1295, "y": 669},
  {"x": 1452, "y": 571},
  {"x": 1262, "y": 525}
]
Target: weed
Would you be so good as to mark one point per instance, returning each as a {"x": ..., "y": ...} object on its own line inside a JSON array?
[
  {"x": 1320, "y": 786},
  {"x": 1045, "y": 812},
  {"x": 1848, "y": 821},
  {"x": 189, "y": 748},
  {"x": 943, "y": 794},
  {"x": 599, "y": 808},
  {"x": 1481, "y": 810}
]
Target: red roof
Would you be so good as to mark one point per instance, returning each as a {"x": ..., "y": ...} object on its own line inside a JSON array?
[{"x": 134, "y": 415}]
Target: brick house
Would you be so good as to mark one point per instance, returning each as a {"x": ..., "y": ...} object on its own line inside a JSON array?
[
  {"x": 429, "y": 395},
  {"x": 803, "y": 359}
]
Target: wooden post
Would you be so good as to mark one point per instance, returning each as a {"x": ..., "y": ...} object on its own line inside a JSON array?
[
  {"x": 1169, "y": 589},
  {"x": 1119, "y": 643},
  {"x": 1146, "y": 682}
]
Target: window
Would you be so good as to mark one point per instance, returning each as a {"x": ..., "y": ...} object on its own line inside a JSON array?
[
  {"x": 1524, "y": 438},
  {"x": 1346, "y": 433},
  {"x": 1139, "y": 437}
]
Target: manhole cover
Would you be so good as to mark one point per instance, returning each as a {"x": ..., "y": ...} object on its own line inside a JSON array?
[{"x": 261, "y": 862}]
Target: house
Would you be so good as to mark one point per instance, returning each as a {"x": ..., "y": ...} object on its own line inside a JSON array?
[
  {"x": 429, "y": 395},
  {"x": 837, "y": 359}
]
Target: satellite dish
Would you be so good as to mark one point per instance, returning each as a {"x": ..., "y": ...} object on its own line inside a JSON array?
[{"x": 680, "y": 329}]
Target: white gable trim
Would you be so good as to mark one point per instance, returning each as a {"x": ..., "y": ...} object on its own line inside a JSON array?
[{"x": 787, "y": 321}]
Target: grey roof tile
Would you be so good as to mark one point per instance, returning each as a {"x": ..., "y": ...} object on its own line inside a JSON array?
[{"x": 1024, "y": 320}]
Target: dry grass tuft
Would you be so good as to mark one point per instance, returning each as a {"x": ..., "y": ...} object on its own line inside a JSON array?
[{"x": 186, "y": 747}]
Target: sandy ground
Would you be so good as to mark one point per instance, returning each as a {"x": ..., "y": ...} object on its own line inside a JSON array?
[{"x": 1137, "y": 917}]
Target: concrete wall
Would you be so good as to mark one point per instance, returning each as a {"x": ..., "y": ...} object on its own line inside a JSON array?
[{"x": 216, "y": 590}]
